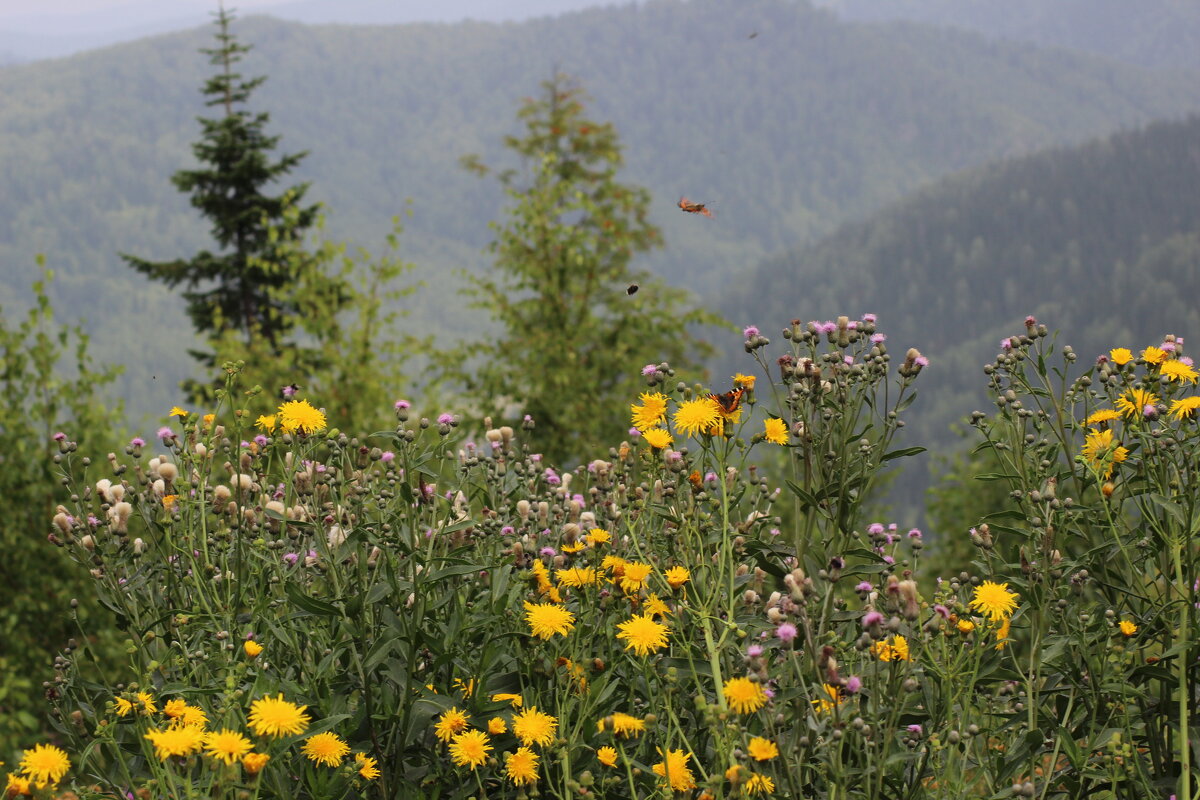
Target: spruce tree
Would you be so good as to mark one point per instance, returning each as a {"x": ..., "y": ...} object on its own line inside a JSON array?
[
  {"x": 242, "y": 287},
  {"x": 577, "y": 321}
]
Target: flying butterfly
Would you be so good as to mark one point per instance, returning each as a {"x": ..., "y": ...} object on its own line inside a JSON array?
[
  {"x": 729, "y": 401},
  {"x": 694, "y": 208}
]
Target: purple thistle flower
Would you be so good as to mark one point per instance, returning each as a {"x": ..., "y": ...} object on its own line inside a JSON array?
[
  {"x": 942, "y": 611},
  {"x": 1149, "y": 412},
  {"x": 786, "y": 632},
  {"x": 828, "y": 328},
  {"x": 548, "y": 552},
  {"x": 165, "y": 433},
  {"x": 878, "y": 338},
  {"x": 754, "y": 650},
  {"x": 871, "y": 619},
  {"x": 137, "y": 441},
  {"x": 749, "y": 331},
  {"x": 1187, "y": 361},
  {"x": 875, "y": 528},
  {"x": 507, "y": 530},
  {"x": 915, "y": 730},
  {"x": 914, "y": 534},
  {"x": 401, "y": 405},
  {"x": 775, "y": 531},
  {"x": 864, "y": 586},
  {"x": 289, "y": 391},
  {"x": 869, "y": 318},
  {"x": 1006, "y": 344},
  {"x": 848, "y": 360},
  {"x": 889, "y": 560},
  {"x": 260, "y": 440},
  {"x": 60, "y": 436},
  {"x": 445, "y": 419},
  {"x": 852, "y": 325},
  {"x": 649, "y": 369},
  {"x": 551, "y": 477},
  {"x": 634, "y": 433},
  {"x": 291, "y": 558},
  {"x": 853, "y": 684},
  {"x": 95, "y": 523},
  {"x": 387, "y": 456},
  {"x": 921, "y": 361}
]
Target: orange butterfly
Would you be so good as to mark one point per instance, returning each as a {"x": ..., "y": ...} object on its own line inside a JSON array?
[
  {"x": 729, "y": 401},
  {"x": 694, "y": 208}
]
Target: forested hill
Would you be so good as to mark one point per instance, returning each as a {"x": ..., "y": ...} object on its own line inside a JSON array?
[
  {"x": 1100, "y": 240},
  {"x": 809, "y": 123},
  {"x": 1152, "y": 33}
]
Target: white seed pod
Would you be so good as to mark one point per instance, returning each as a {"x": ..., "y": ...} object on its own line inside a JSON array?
[{"x": 168, "y": 471}]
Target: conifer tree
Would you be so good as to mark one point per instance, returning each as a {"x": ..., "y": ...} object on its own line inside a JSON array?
[
  {"x": 242, "y": 286},
  {"x": 574, "y": 328}
]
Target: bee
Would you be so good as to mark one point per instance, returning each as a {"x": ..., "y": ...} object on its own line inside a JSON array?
[
  {"x": 289, "y": 391},
  {"x": 729, "y": 401},
  {"x": 633, "y": 289},
  {"x": 694, "y": 208}
]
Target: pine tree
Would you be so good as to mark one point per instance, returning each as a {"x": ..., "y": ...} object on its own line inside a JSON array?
[
  {"x": 574, "y": 333},
  {"x": 242, "y": 287}
]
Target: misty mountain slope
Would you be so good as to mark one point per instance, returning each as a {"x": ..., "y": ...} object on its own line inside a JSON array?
[
  {"x": 1152, "y": 33},
  {"x": 812, "y": 122},
  {"x": 1101, "y": 241}
]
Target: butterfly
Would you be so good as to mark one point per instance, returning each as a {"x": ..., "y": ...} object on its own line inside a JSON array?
[
  {"x": 694, "y": 208},
  {"x": 729, "y": 401}
]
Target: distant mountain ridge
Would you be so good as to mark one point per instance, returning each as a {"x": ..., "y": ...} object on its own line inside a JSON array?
[
  {"x": 810, "y": 123},
  {"x": 1100, "y": 241}
]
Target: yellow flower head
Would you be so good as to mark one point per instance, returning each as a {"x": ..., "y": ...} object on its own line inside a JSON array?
[
  {"x": 994, "y": 600},
  {"x": 651, "y": 412},
  {"x": 1178, "y": 371},
  {"x": 761, "y": 749},
  {"x": 759, "y": 784},
  {"x": 677, "y": 576},
  {"x": 1120, "y": 356},
  {"x": 521, "y": 767},
  {"x": 698, "y": 415},
  {"x": 254, "y": 762},
  {"x": 1154, "y": 355},
  {"x": 576, "y": 577},
  {"x": 122, "y": 707},
  {"x": 833, "y": 698},
  {"x": 169, "y": 501},
  {"x": 642, "y": 634},
  {"x": 266, "y": 422},
  {"x": 893, "y": 649},
  {"x": 547, "y": 619},
  {"x": 598, "y": 536},
  {"x": 177, "y": 740},
  {"x": 1134, "y": 402},
  {"x": 658, "y": 438},
  {"x": 367, "y": 767},
  {"x": 534, "y": 727},
  {"x": 674, "y": 769},
  {"x": 1102, "y": 452},
  {"x": 208, "y": 420},
  {"x": 744, "y": 381},
  {"x": 176, "y": 411},
  {"x": 775, "y": 430},
  {"x": 300, "y": 415},
  {"x": 470, "y": 748},
  {"x": 44, "y": 765},
  {"x": 743, "y": 695},
  {"x": 327, "y": 749},
  {"x": 450, "y": 723},
  {"x": 252, "y": 648},
  {"x": 1103, "y": 415},
  {"x": 965, "y": 626},
  {"x": 515, "y": 700},
  {"x": 497, "y": 726},
  {"x": 1128, "y": 628},
  {"x": 16, "y": 787},
  {"x": 607, "y": 756},
  {"x": 624, "y": 725},
  {"x": 635, "y": 576},
  {"x": 656, "y": 607},
  {"x": 1002, "y": 632},
  {"x": 1185, "y": 408},
  {"x": 228, "y": 746},
  {"x": 192, "y": 715},
  {"x": 147, "y": 701},
  {"x": 274, "y": 716},
  {"x": 174, "y": 708},
  {"x": 573, "y": 547}
]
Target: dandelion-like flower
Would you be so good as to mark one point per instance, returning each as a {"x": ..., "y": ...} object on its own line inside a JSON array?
[
  {"x": 761, "y": 749},
  {"x": 576, "y": 577},
  {"x": 598, "y": 536},
  {"x": 254, "y": 762},
  {"x": 274, "y": 716},
  {"x": 1102, "y": 415},
  {"x": 521, "y": 766},
  {"x": 147, "y": 701},
  {"x": 547, "y": 619},
  {"x": 226, "y": 745},
  {"x": 1120, "y": 356},
  {"x": 894, "y": 648},
  {"x": 677, "y": 576},
  {"x": 775, "y": 430},
  {"x": 252, "y": 648},
  {"x": 759, "y": 784},
  {"x": 624, "y": 725},
  {"x": 122, "y": 707},
  {"x": 696, "y": 415},
  {"x": 514, "y": 700},
  {"x": 178, "y": 740},
  {"x": 16, "y": 786},
  {"x": 470, "y": 748},
  {"x": 1127, "y": 627},
  {"x": 744, "y": 381},
  {"x": 607, "y": 756},
  {"x": 450, "y": 723},
  {"x": 658, "y": 438},
  {"x": 44, "y": 764},
  {"x": 635, "y": 576},
  {"x": 994, "y": 600},
  {"x": 192, "y": 715},
  {"x": 1185, "y": 408},
  {"x": 300, "y": 415},
  {"x": 1102, "y": 452},
  {"x": 642, "y": 634},
  {"x": 1133, "y": 402},
  {"x": 534, "y": 727},
  {"x": 497, "y": 726},
  {"x": 743, "y": 695},
  {"x": 833, "y": 698},
  {"x": 1178, "y": 371},
  {"x": 265, "y": 422},
  {"x": 176, "y": 411},
  {"x": 1154, "y": 355},
  {"x": 368, "y": 767},
  {"x": 327, "y": 749},
  {"x": 651, "y": 412},
  {"x": 674, "y": 769}
]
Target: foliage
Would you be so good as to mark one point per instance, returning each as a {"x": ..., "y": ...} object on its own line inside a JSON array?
[
  {"x": 250, "y": 273},
  {"x": 573, "y": 314},
  {"x": 49, "y": 383}
]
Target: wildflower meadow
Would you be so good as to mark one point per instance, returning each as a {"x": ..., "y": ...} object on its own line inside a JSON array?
[{"x": 714, "y": 607}]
